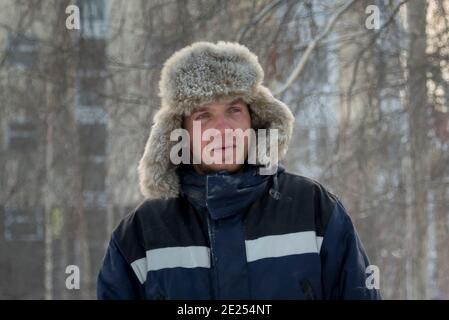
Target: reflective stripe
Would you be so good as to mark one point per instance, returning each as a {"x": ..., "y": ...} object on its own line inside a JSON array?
[
  {"x": 319, "y": 242},
  {"x": 283, "y": 245},
  {"x": 182, "y": 257},
  {"x": 140, "y": 269},
  {"x": 171, "y": 257},
  {"x": 199, "y": 256}
]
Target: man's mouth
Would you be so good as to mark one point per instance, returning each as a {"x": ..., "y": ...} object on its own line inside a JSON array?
[{"x": 224, "y": 148}]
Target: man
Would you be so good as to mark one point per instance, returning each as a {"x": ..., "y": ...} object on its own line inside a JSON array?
[{"x": 221, "y": 229}]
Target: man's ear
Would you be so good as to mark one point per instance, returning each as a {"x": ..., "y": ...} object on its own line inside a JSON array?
[{"x": 183, "y": 122}]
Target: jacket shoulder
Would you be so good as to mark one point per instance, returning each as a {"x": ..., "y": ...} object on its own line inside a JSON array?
[
  {"x": 131, "y": 232},
  {"x": 310, "y": 196},
  {"x": 297, "y": 183}
]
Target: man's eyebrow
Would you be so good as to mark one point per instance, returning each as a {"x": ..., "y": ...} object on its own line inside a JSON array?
[
  {"x": 235, "y": 101},
  {"x": 199, "y": 110},
  {"x": 205, "y": 108}
]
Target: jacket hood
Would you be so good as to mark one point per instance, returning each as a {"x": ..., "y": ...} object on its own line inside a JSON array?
[{"x": 196, "y": 75}]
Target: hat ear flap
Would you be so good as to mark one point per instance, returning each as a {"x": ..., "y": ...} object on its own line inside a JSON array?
[
  {"x": 269, "y": 113},
  {"x": 157, "y": 174}
]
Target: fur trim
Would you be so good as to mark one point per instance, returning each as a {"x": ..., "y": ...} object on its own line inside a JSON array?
[{"x": 196, "y": 75}]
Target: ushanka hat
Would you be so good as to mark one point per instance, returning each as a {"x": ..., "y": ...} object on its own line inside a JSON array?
[{"x": 198, "y": 74}]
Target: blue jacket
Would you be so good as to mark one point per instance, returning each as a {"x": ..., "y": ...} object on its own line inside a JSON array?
[{"x": 294, "y": 241}]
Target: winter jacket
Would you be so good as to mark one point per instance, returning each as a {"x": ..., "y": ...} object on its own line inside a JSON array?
[{"x": 292, "y": 240}]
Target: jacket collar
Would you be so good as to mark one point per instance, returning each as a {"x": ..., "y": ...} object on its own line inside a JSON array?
[{"x": 224, "y": 194}]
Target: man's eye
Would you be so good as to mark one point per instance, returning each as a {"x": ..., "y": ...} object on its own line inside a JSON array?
[
  {"x": 235, "y": 109},
  {"x": 201, "y": 116}
]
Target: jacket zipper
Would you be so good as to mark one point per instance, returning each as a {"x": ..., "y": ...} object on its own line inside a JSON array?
[
  {"x": 212, "y": 254},
  {"x": 307, "y": 289}
]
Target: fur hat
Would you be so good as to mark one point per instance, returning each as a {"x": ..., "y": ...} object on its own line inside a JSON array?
[{"x": 196, "y": 75}]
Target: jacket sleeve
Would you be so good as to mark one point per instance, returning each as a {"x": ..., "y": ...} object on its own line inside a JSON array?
[
  {"x": 116, "y": 280},
  {"x": 344, "y": 260}
]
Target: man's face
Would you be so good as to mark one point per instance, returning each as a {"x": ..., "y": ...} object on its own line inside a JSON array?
[{"x": 220, "y": 116}]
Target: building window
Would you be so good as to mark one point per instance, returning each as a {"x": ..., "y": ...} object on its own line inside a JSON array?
[
  {"x": 23, "y": 224},
  {"x": 92, "y": 10},
  {"x": 93, "y": 17},
  {"x": 21, "y": 136},
  {"x": 21, "y": 51},
  {"x": 94, "y": 198},
  {"x": 91, "y": 91},
  {"x": 91, "y": 115},
  {"x": 94, "y": 174},
  {"x": 92, "y": 140},
  {"x": 93, "y": 152},
  {"x": 92, "y": 56},
  {"x": 304, "y": 145},
  {"x": 90, "y": 98},
  {"x": 323, "y": 142}
]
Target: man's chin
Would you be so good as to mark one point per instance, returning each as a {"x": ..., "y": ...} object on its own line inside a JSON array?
[{"x": 213, "y": 168}]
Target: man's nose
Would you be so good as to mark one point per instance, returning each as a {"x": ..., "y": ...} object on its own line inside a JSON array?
[
  {"x": 224, "y": 128},
  {"x": 222, "y": 124}
]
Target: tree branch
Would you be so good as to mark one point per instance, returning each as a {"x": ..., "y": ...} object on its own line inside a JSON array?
[{"x": 311, "y": 47}]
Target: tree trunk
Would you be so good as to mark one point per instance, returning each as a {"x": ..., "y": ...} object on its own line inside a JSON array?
[
  {"x": 417, "y": 111},
  {"x": 63, "y": 167}
]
